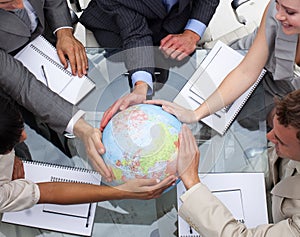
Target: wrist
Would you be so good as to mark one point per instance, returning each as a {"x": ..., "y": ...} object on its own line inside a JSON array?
[
  {"x": 190, "y": 181},
  {"x": 193, "y": 35},
  {"x": 80, "y": 127},
  {"x": 64, "y": 32},
  {"x": 141, "y": 87}
]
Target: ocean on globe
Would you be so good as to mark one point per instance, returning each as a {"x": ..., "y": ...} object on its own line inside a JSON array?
[{"x": 141, "y": 142}]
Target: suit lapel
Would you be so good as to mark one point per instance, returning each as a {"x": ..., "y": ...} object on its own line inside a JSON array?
[
  {"x": 157, "y": 7},
  {"x": 38, "y": 6},
  {"x": 10, "y": 23},
  {"x": 182, "y": 4}
]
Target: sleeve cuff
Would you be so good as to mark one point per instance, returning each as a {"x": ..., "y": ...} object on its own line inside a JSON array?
[
  {"x": 196, "y": 26},
  {"x": 190, "y": 191},
  {"x": 145, "y": 77},
  {"x": 73, "y": 120},
  {"x": 64, "y": 27}
]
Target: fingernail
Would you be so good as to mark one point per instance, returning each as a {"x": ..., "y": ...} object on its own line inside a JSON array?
[{"x": 157, "y": 180}]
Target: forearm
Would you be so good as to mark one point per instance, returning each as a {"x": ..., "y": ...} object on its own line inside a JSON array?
[
  {"x": 234, "y": 85},
  {"x": 57, "y": 14},
  {"x": 74, "y": 193},
  {"x": 23, "y": 87}
]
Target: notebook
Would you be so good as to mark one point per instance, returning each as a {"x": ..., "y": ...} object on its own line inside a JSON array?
[
  {"x": 242, "y": 193},
  {"x": 74, "y": 219},
  {"x": 214, "y": 68},
  {"x": 41, "y": 58}
]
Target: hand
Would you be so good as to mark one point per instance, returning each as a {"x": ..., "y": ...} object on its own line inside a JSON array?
[
  {"x": 18, "y": 170},
  {"x": 188, "y": 158},
  {"x": 136, "y": 97},
  {"x": 94, "y": 147},
  {"x": 179, "y": 46},
  {"x": 146, "y": 188},
  {"x": 11, "y": 5},
  {"x": 184, "y": 115},
  {"x": 68, "y": 47}
]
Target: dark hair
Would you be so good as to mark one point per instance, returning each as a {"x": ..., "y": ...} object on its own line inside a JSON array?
[
  {"x": 11, "y": 124},
  {"x": 288, "y": 110}
]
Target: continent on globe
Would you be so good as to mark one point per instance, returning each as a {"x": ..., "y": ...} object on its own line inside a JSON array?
[{"x": 141, "y": 142}]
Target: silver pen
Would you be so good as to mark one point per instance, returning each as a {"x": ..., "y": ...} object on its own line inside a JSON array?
[{"x": 45, "y": 76}]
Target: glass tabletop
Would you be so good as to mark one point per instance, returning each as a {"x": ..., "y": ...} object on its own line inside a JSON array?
[{"x": 240, "y": 150}]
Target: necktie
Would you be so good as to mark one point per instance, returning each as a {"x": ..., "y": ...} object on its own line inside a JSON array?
[
  {"x": 169, "y": 4},
  {"x": 22, "y": 14}
]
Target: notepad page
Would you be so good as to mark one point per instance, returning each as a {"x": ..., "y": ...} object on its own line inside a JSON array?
[
  {"x": 220, "y": 61},
  {"x": 40, "y": 53},
  {"x": 76, "y": 219}
]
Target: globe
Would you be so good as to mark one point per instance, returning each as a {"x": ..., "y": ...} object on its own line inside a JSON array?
[{"x": 141, "y": 142}]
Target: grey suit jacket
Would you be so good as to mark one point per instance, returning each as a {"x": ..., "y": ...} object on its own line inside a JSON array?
[
  {"x": 130, "y": 24},
  {"x": 16, "y": 80}
]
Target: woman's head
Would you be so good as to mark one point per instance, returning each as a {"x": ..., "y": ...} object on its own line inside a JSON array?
[
  {"x": 11, "y": 125},
  {"x": 288, "y": 14}
]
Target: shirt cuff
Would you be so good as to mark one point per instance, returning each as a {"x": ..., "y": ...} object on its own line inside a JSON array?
[
  {"x": 64, "y": 27},
  {"x": 73, "y": 120},
  {"x": 145, "y": 77},
  {"x": 196, "y": 26},
  {"x": 190, "y": 191}
]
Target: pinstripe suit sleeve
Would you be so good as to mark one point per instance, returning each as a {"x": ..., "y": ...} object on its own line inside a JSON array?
[
  {"x": 23, "y": 87},
  {"x": 203, "y": 10}
]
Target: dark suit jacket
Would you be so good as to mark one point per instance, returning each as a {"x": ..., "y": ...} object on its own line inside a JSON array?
[
  {"x": 16, "y": 80},
  {"x": 140, "y": 23}
]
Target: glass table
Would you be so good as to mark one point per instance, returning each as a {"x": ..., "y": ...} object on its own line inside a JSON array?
[{"x": 239, "y": 150}]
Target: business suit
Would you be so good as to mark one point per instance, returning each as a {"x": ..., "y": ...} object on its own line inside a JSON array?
[
  {"x": 130, "y": 24},
  {"x": 16, "y": 80},
  {"x": 206, "y": 214},
  {"x": 14, "y": 33}
]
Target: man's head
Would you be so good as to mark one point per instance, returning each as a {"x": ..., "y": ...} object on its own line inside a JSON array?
[
  {"x": 286, "y": 131},
  {"x": 11, "y": 125}
]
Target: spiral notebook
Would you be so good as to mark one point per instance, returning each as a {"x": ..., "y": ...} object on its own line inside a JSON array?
[
  {"x": 41, "y": 58},
  {"x": 214, "y": 68},
  {"x": 74, "y": 219}
]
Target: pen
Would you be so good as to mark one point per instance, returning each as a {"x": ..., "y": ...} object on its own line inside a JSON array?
[
  {"x": 191, "y": 230},
  {"x": 88, "y": 217},
  {"x": 45, "y": 76}
]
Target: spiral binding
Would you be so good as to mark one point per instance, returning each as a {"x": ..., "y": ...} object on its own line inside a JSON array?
[
  {"x": 253, "y": 87},
  {"x": 47, "y": 164},
  {"x": 59, "y": 179},
  {"x": 50, "y": 59}
]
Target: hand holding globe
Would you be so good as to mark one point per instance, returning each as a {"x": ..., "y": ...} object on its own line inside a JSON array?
[{"x": 141, "y": 142}]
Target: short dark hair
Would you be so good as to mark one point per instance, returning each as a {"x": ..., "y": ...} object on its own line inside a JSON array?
[
  {"x": 288, "y": 110},
  {"x": 11, "y": 124}
]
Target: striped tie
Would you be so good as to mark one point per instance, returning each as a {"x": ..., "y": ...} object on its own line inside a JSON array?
[{"x": 169, "y": 4}]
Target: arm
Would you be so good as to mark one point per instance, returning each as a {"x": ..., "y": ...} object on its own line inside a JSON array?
[
  {"x": 29, "y": 92},
  {"x": 179, "y": 46},
  {"x": 241, "y": 78},
  {"x": 209, "y": 217},
  {"x": 15, "y": 194},
  {"x": 204, "y": 212},
  {"x": 68, "y": 47},
  {"x": 73, "y": 193}
]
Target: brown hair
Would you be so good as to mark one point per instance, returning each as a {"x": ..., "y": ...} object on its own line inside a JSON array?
[{"x": 288, "y": 110}]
